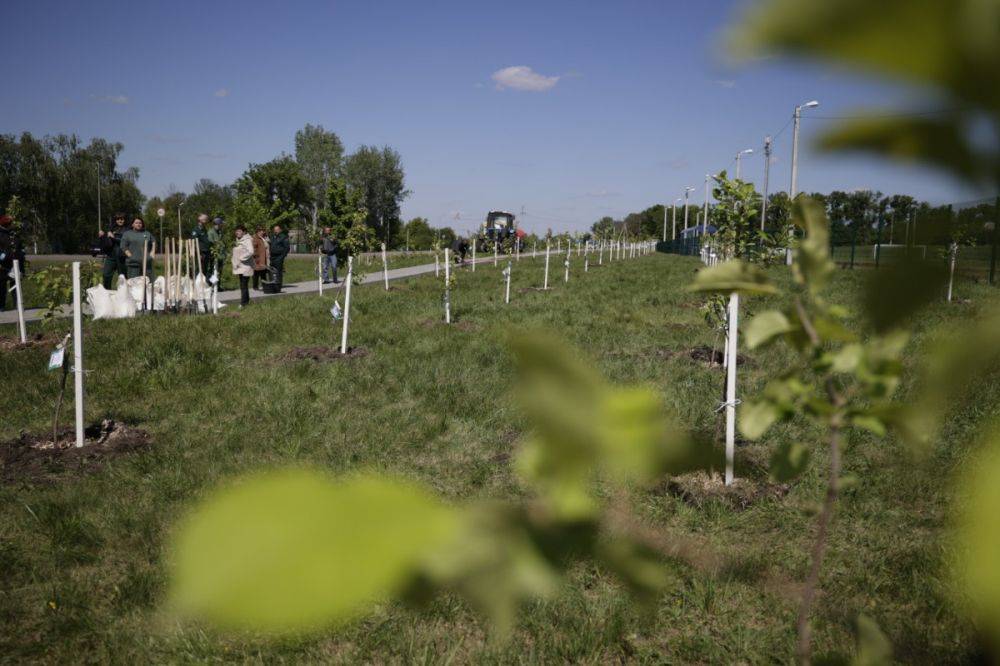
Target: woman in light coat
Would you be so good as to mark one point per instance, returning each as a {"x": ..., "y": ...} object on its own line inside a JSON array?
[{"x": 243, "y": 262}]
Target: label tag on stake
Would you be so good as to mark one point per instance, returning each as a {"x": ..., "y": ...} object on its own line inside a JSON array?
[
  {"x": 56, "y": 358},
  {"x": 336, "y": 311}
]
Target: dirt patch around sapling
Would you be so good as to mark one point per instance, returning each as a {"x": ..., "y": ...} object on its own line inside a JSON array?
[
  {"x": 36, "y": 458},
  {"x": 321, "y": 354},
  {"x": 456, "y": 323},
  {"x": 700, "y": 488},
  {"x": 704, "y": 355},
  {"x": 37, "y": 340}
]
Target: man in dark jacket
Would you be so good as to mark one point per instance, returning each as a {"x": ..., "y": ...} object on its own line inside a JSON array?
[
  {"x": 11, "y": 250},
  {"x": 279, "y": 250},
  {"x": 200, "y": 234},
  {"x": 329, "y": 250},
  {"x": 110, "y": 244}
]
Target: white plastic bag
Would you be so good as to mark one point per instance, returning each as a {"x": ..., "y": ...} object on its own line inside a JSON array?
[{"x": 101, "y": 302}]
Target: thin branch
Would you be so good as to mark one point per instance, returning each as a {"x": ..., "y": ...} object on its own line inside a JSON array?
[{"x": 804, "y": 646}]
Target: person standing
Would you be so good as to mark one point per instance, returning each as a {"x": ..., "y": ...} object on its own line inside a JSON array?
[
  {"x": 279, "y": 250},
  {"x": 242, "y": 263},
  {"x": 215, "y": 245},
  {"x": 110, "y": 244},
  {"x": 329, "y": 249},
  {"x": 11, "y": 250},
  {"x": 261, "y": 255},
  {"x": 200, "y": 234},
  {"x": 132, "y": 243}
]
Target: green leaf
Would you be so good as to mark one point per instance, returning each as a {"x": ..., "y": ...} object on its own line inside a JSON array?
[
  {"x": 870, "y": 423},
  {"x": 733, "y": 276},
  {"x": 939, "y": 142},
  {"x": 812, "y": 266},
  {"x": 874, "y": 649},
  {"x": 979, "y": 535},
  {"x": 765, "y": 327},
  {"x": 847, "y": 358},
  {"x": 958, "y": 40},
  {"x": 789, "y": 461},
  {"x": 756, "y": 417},
  {"x": 293, "y": 550}
]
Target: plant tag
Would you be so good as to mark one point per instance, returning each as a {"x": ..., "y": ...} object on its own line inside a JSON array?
[
  {"x": 56, "y": 358},
  {"x": 336, "y": 312}
]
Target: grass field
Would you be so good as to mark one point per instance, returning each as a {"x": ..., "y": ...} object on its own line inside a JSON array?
[
  {"x": 81, "y": 559},
  {"x": 297, "y": 269}
]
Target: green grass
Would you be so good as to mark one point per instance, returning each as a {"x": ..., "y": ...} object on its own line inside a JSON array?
[
  {"x": 82, "y": 574},
  {"x": 297, "y": 269}
]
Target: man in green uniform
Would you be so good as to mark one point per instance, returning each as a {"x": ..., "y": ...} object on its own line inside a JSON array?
[
  {"x": 110, "y": 244},
  {"x": 200, "y": 234},
  {"x": 131, "y": 245},
  {"x": 215, "y": 246}
]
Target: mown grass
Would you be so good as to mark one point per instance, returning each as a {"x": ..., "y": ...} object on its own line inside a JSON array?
[{"x": 82, "y": 573}]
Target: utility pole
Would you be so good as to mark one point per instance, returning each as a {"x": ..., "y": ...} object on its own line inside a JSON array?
[
  {"x": 664, "y": 223},
  {"x": 673, "y": 215},
  {"x": 767, "y": 178}
]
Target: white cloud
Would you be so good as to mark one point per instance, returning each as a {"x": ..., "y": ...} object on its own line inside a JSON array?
[
  {"x": 222, "y": 92},
  {"x": 726, "y": 83},
  {"x": 114, "y": 99},
  {"x": 522, "y": 77}
]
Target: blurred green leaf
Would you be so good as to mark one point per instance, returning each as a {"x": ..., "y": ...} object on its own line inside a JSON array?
[
  {"x": 293, "y": 550},
  {"x": 937, "y": 142},
  {"x": 731, "y": 276},
  {"x": 789, "y": 461},
  {"x": 978, "y": 567},
  {"x": 756, "y": 417},
  {"x": 812, "y": 266},
  {"x": 874, "y": 649},
  {"x": 896, "y": 292},
  {"x": 947, "y": 44},
  {"x": 765, "y": 327}
]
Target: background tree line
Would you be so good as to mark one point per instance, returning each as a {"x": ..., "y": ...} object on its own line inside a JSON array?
[
  {"x": 52, "y": 185},
  {"x": 854, "y": 217}
]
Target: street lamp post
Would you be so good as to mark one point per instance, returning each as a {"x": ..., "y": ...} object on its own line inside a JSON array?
[
  {"x": 704, "y": 206},
  {"x": 687, "y": 194},
  {"x": 739, "y": 156},
  {"x": 673, "y": 215},
  {"x": 793, "y": 189}
]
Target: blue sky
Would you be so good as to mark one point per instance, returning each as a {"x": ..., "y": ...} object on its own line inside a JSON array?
[{"x": 613, "y": 106}]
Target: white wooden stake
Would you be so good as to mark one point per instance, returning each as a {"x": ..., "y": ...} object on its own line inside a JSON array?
[
  {"x": 473, "y": 255},
  {"x": 319, "y": 273},
  {"x": 496, "y": 252},
  {"x": 546, "y": 285},
  {"x": 447, "y": 287},
  {"x": 347, "y": 304},
  {"x": 734, "y": 311},
  {"x": 77, "y": 354},
  {"x": 600, "y": 253},
  {"x": 385, "y": 267},
  {"x": 569, "y": 253},
  {"x": 951, "y": 274},
  {"x": 20, "y": 303},
  {"x": 507, "y": 295},
  {"x": 437, "y": 265}
]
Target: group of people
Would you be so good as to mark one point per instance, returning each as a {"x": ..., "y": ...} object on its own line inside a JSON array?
[{"x": 260, "y": 258}]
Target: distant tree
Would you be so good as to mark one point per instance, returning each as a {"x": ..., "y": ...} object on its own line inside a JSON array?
[
  {"x": 418, "y": 234},
  {"x": 447, "y": 236},
  {"x": 604, "y": 227},
  {"x": 378, "y": 174},
  {"x": 320, "y": 156},
  {"x": 344, "y": 212},
  {"x": 271, "y": 193}
]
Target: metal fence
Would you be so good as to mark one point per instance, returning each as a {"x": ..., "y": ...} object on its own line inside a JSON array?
[{"x": 926, "y": 232}]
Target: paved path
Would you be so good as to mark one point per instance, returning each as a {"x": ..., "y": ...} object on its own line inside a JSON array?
[{"x": 35, "y": 314}]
